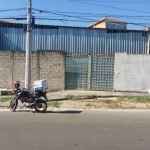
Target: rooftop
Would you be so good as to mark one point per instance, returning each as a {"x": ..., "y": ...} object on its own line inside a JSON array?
[
  {"x": 6, "y": 21},
  {"x": 108, "y": 19}
]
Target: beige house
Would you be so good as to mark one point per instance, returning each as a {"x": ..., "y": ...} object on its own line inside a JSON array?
[
  {"x": 109, "y": 24},
  {"x": 6, "y": 21}
]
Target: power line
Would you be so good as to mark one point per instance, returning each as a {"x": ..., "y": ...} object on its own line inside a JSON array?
[
  {"x": 18, "y": 9},
  {"x": 63, "y": 13},
  {"x": 44, "y": 11},
  {"x": 133, "y": 23},
  {"x": 82, "y": 15},
  {"x": 109, "y": 6},
  {"x": 117, "y": 1},
  {"x": 88, "y": 19},
  {"x": 107, "y": 15},
  {"x": 88, "y": 14},
  {"x": 59, "y": 19}
]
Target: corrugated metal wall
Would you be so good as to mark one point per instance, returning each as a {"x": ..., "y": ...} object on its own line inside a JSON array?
[{"x": 74, "y": 40}]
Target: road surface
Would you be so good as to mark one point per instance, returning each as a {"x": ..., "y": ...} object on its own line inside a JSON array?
[{"x": 75, "y": 130}]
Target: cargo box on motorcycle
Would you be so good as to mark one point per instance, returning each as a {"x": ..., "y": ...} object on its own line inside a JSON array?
[{"x": 40, "y": 85}]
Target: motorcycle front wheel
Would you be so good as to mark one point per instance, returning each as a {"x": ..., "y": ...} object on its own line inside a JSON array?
[
  {"x": 40, "y": 106},
  {"x": 13, "y": 104}
]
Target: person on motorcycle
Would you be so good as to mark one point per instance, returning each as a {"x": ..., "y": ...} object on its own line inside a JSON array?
[{"x": 16, "y": 84}]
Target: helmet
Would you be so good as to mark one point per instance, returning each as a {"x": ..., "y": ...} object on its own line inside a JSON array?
[{"x": 16, "y": 83}]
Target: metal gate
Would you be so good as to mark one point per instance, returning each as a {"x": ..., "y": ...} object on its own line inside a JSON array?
[
  {"x": 89, "y": 72},
  {"x": 76, "y": 71},
  {"x": 102, "y": 72}
]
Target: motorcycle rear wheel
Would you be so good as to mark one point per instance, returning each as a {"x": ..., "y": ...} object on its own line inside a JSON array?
[
  {"x": 40, "y": 106},
  {"x": 13, "y": 105}
]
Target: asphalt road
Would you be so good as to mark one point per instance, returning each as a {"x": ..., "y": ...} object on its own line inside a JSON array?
[{"x": 75, "y": 130}]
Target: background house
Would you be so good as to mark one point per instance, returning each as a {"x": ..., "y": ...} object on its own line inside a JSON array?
[
  {"x": 109, "y": 24},
  {"x": 6, "y": 21}
]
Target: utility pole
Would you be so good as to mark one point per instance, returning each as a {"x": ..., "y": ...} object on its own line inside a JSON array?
[
  {"x": 28, "y": 47},
  {"x": 148, "y": 41}
]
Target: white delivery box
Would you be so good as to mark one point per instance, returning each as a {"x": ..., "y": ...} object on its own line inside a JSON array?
[{"x": 40, "y": 85}]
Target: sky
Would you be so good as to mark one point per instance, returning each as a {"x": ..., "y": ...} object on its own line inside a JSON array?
[{"x": 80, "y": 13}]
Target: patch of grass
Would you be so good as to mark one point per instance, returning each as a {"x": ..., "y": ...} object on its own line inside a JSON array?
[
  {"x": 91, "y": 96},
  {"x": 70, "y": 97},
  {"x": 107, "y": 101},
  {"x": 8, "y": 107},
  {"x": 53, "y": 104},
  {"x": 114, "y": 105},
  {"x": 5, "y": 99},
  {"x": 142, "y": 99},
  {"x": 121, "y": 98},
  {"x": 97, "y": 106},
  {"x": 129, "y": 97},
  {"x": 88, "y": 105},
  {"x": 98, "y": 101},
  {"x": 139, "y": 99}
]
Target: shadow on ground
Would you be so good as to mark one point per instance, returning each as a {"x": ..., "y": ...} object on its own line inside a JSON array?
[
  {"x": 82, "y": 98},
  {"x": 52, "y": 111}
]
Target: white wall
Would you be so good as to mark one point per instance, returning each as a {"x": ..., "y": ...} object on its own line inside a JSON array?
[{"x": 132, "y": 72}]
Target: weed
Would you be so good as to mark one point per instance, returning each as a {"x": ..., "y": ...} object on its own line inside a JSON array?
[
  {"x": 53, "y": 104},
  {"x": 129, "y": 97},
  {"x": 8, "y": 107},
  {"x": 142, "y": 99},
  {"x": 91, "y": 96},
  {"x": 121, "y": 98},
  {"x": 88, "y": 104},
  {"x": 97, "y": 106},
  {"x": 5, "y": 99},
  {"x": 99, "y": 101},
  {"x": 70, "y": 97},
  {"x": 107, "y": 101}
]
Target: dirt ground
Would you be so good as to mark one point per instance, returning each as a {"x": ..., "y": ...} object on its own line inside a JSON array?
[
  {"x": 109, "y": 103},
  {"x": 78, "y": 99}
]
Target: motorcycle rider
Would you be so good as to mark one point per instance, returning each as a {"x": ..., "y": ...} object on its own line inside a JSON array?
[{"x": 16, "y": 84}]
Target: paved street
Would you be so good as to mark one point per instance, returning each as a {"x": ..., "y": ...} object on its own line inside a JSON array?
[{"x": 75, "y": 130}]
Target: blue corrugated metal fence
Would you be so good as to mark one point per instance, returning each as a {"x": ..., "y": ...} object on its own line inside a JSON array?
[{"x": 74, "y": 39}]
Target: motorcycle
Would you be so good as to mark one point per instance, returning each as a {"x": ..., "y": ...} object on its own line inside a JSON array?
[{"x": 29, "y": 100}]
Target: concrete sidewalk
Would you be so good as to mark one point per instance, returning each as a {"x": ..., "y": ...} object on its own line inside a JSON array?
[{"x": 60, "y": 95}]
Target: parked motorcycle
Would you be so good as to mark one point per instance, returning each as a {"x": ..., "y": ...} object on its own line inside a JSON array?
[{"x": 29, "y": 100}]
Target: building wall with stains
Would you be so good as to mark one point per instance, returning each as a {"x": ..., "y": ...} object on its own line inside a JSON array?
[{"x": 131, "y": 72}]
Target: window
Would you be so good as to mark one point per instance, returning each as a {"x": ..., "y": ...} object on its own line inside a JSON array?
[
  {"x": 110, "y": 25},
  {"x": 120, "y": 26}
]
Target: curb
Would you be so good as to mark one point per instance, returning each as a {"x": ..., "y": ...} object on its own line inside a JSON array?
[{"x": 73, "y": 110}]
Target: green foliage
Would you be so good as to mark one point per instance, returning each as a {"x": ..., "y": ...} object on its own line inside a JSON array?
[
  {"x": 88, "y": 104},
  {"x": 129, "y": 97},
  {"x": 121, "y": 98},
  {"x": 91, "y": 96},
  {"x": 139, "y": 99},
  {"x": 8, "y": 107},
  {"x": 70, "y": 97},
  {"x": 107, "y": 101},
  {"x": 5, "y": 99},
  {"x": 53, "y": 104},
  {"x": 142, "y": 99}
]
